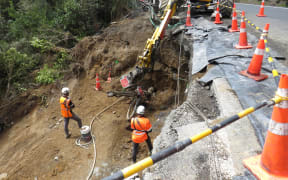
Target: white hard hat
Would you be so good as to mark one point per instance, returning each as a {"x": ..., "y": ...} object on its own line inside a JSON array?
[
  {"x": 65, "y": 90},
  {"x": 140, "y": 110}
]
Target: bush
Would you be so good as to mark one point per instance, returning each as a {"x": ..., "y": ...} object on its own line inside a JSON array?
[
  {"x": 47, "y": 75},
  {"x": 62, "y": 60},
  {"x": 41, "y": 44}
]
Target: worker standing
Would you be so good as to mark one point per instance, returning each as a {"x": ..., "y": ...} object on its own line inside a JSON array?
[
  {"x": 66, "y": 111},
  {"x": 141, "y": 126}
]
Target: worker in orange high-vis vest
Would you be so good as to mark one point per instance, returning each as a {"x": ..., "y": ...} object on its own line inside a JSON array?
[
  {"x": 66, "y": 111},
  {"x": 141, "y": 126}
]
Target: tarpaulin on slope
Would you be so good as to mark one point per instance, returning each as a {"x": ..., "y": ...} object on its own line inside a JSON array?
[{"x": 219, "y": 49}]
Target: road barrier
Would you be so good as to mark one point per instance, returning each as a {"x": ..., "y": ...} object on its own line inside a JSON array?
[
  {"x": 179, "y": 146},
  {"x": 217, "y": 17},
  {"x": 272, "y": 163},
  {"x": 270, "y": 59},
  {"x": 254, "y": 69}
]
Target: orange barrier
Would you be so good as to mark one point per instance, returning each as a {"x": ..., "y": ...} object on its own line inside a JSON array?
[
  {"x": 254, "y": 68},
  {"x": 243, "y": 44},
  {"x": 273, "y": 163},
  {"x": 234, "y": 27},
  {"x": 217, "y": 18},
  {"x": 188, "y": 18},
  {"x": 261, "y": 11},
  {"x": 98, "y": 86}
]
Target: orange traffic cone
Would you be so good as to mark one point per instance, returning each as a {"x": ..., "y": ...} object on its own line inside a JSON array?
[
  {"x": 217, "y": 17},
  {"x": 109, "y": 77},
  {"x": 254, "y": 68},
  {"x": 188, "y": 18},
  {"x": 273, "y": 163},
  {"x": 98, "y": 86},
  {"x": 265, "y": 30},
  {"x": 261, "y": 11},
  {"x": 243, "y": 44},
  {"x": 234, "y": 27}
]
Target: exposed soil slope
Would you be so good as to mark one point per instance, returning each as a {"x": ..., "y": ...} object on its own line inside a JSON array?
[{"x": 28, "y": 149}]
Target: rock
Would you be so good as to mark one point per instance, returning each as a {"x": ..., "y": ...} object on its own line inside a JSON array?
[
  {"x": 114, "y": 112},
  {"x": 51, "y": 126},
  {"x": 56, "y": 158},
  {"x": 3, "y": 176},
  {"x": 54, "y": 172}
]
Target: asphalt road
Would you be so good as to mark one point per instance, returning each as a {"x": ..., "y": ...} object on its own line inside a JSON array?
[{"x": 277, "y": 17}]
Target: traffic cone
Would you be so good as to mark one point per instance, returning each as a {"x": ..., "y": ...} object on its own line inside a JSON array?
[
  {"x": 254, "y": 68},
  {"x": 98, "y": 86},
  {"x": 188, "y": 18},
  {"x": 265, "y": 30},
  {"x": 273, "y": 162},
  {"x": 217, "y": 17},
  {"x": 243, "y": 44},
  {"x": 109, "y": 77},
  {"x": 261, "y": 11},
  {"x": 234, "y": 27}
]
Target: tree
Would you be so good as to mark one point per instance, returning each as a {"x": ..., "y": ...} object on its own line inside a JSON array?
[{"x": 15, "y": 66}]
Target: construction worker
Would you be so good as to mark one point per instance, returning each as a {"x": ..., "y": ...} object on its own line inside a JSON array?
[
  {"x": 66, "y": 111},
  {"x": 141, "y": 126}
]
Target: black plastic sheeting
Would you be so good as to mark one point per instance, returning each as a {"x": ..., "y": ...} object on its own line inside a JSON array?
[{"x": 213, "y": 44}]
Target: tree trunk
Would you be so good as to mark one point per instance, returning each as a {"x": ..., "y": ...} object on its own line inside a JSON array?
[{"x": 8, "y": 87}]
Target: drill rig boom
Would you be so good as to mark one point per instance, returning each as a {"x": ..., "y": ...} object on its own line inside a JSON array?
[{"x": 145, "y": 62}]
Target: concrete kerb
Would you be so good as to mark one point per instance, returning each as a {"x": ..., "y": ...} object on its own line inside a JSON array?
[
  {"x": 233, "y": 143},
  {"x": 239, "y": 136}
]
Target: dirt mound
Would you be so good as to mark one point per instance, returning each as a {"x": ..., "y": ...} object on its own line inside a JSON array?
[{"x": 36, "y": 145}]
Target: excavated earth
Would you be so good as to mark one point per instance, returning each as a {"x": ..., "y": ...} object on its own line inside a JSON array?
[{"x": 34, "y": 144}]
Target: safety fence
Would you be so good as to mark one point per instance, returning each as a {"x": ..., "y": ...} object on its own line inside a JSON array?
[
  {"x": 179, "y": 146},
  {"x": 270, "y": 59}
]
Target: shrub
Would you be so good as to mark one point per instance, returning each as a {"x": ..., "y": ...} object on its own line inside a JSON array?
[{"x": 47, "y": 75}]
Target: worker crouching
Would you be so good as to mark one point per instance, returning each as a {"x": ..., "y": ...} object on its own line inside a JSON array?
[
  {"x": 141, "y": 126},
  {"x": 66, "y": 111}
]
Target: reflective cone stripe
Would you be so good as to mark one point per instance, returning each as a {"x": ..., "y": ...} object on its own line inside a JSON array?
[
  {"x": 188, "y": 18},
  {"x": 275, "y": 152},
  {"x": 256, "y": 62},
  {"x": 261, "y": 11}
]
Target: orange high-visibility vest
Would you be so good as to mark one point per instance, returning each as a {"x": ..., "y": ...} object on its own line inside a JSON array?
[
  {"x": 65, "y": 107},
  {"x": 140, "y": 126}
]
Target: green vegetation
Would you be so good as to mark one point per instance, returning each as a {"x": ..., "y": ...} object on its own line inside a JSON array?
[
  {"x": 36, "y": 37},
  {"x": 47, "y": 75}
]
